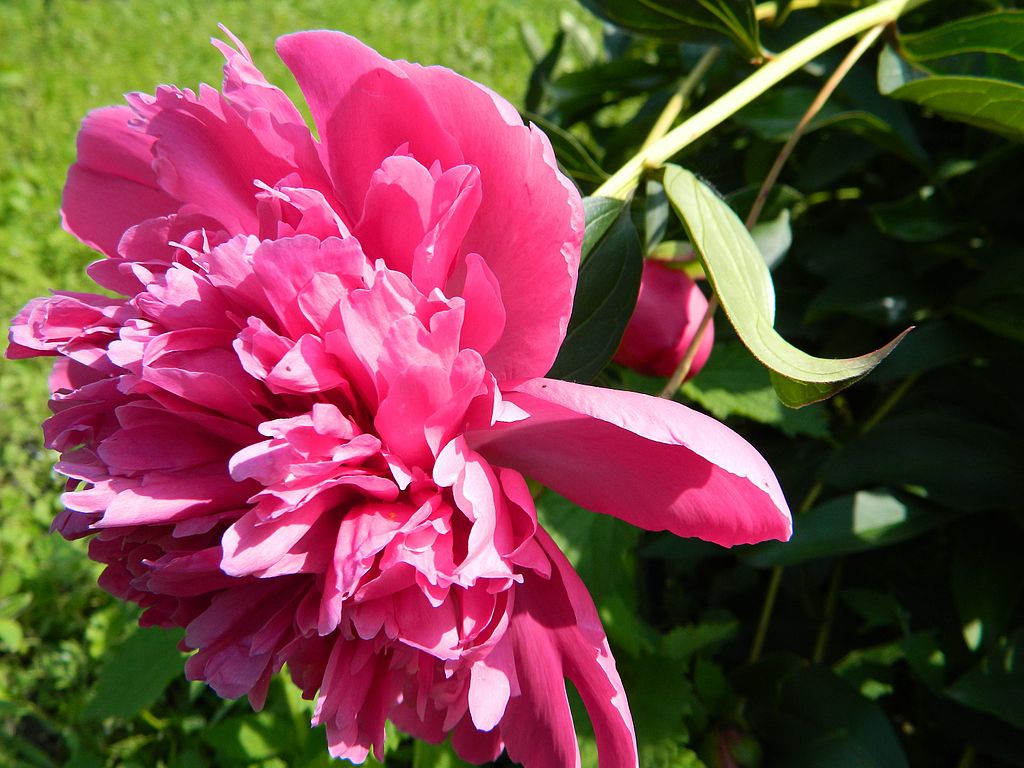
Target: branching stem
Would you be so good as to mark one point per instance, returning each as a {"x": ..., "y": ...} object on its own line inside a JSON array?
[{"x": 623, "y": 181}]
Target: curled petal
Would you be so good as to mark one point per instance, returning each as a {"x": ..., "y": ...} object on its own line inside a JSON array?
[
  {"x": 598, "y": 446},
  {"x": 556, "y": 634},
  {"x": 112, "y": 186}
]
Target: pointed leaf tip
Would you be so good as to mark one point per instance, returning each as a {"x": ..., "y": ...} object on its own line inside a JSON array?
[{"x": 743, "y": 284}]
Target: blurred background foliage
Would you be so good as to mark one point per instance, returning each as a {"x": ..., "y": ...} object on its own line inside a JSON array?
[{"x": 888, "y": 633}]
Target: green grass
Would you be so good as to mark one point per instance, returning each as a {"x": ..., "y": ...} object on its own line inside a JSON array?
[{"x": 59, "y": 59}]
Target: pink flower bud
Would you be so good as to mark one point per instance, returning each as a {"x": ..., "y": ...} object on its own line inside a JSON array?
[{"x": 667, "y": 315}]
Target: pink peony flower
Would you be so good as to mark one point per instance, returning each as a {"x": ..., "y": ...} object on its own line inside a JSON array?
[
  {"x": 302, "y": 432},
  {"x": 668, "y": 313}
]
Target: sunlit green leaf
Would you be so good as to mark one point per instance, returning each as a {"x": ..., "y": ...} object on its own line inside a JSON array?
[
  {"x": 741, "y": 280},
  {"x": 441, "y": 755},
  {"x": 609, "y": 280},
  {"x": 989, "y": 103}
]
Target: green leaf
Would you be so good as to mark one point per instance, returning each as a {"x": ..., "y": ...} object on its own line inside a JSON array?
[
  {"x": 988, "y": 103},
  {"x": 574, "y": 158},
  {"x": 921, "y": 217},
  {"x": 243, "y": 739},
  {"x": 441, "y": 755},
  {"x": 609, "y": 281},
  {"x": 136, "y": 673},
  {"x": 995, "y": 301},
  {"x": 774, "y": 115},
  {"x": 862, "y": 521},
  {"x": 995, "y": 685},
  {"x": 986, "y": 584},
  {"x": 819, "y": 720},
  {"x": 962, "y": 464},
  {"x": 684, "y": 20},
  {"x": 743, "y": 284},
  {"x": 732, "y": 383},
  {"x": 998, "y": 32}
]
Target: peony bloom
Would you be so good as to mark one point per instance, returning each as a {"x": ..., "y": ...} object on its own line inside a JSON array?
[
  {"x": 668, "y": 313},
  {"x": 301, "y": 432}
]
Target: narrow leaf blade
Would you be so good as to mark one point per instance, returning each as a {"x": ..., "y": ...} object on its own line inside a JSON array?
[{"x": 609, "y": 282}]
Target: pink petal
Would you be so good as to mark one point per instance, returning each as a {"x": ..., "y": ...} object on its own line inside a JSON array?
[
  {"x": 556, "y": 633},
  {"x": 668, "y": 313},
  {"x": 528, "y": 228},
  {"x": 112, "y": 185},
  {"x": 652, "y": 462},
  {"x": 364, "y": 108}
]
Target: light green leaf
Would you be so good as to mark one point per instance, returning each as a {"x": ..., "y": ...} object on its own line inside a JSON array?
[
  {"x": 743, "y": 284},
  {"x": 441, "y": 755},
  {"x": 989, "y": 103}
]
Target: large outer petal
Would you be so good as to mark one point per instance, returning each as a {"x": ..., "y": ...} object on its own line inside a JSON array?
[
  {"x": 112, "y": 186},
  {"x": 555, "y": 634},
  {"x": 654, "y": 463},
  {"x": 530, "y": 223}
]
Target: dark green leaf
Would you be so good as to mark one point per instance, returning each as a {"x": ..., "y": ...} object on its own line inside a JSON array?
[
  {"x": 995, "y": 685},
  {"x": 609, "y": 281},
  {"x": 540, "y": 77},
  {"x": 862, "y": 521},
  {"x": 774, "y": 115},
  {"x": 819, "y": 720},
  {"x": 135, "y": 673},
  {"x": 743, "y": 284},
  {"x": 919, "y": 218},
  {"x": 995, "y": 301},
  {"x": 986, "y": 585},
  {"x": 574, "y": 158},
  {"x": 958, "y": 463},
  {"x": 684, "y": 20}
]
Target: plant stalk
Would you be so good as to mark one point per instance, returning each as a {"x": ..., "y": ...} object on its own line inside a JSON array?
[
  {"x": 823, "y": 96},
  {"x": 622, "y": 182},
  {"x": 681, "y": 98}
]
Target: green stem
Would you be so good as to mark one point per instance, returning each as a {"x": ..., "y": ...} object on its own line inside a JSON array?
[
  {"x": 766, "y": 614},
  {"x": 679, "y": 375},
  {"x": 890, "y": 402},
  {"x": 625, "y": 179},
  {"x": 812, "y": 111},
  {"x": 681, "y": 97},
  {"x": 821, "y": 643}
]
